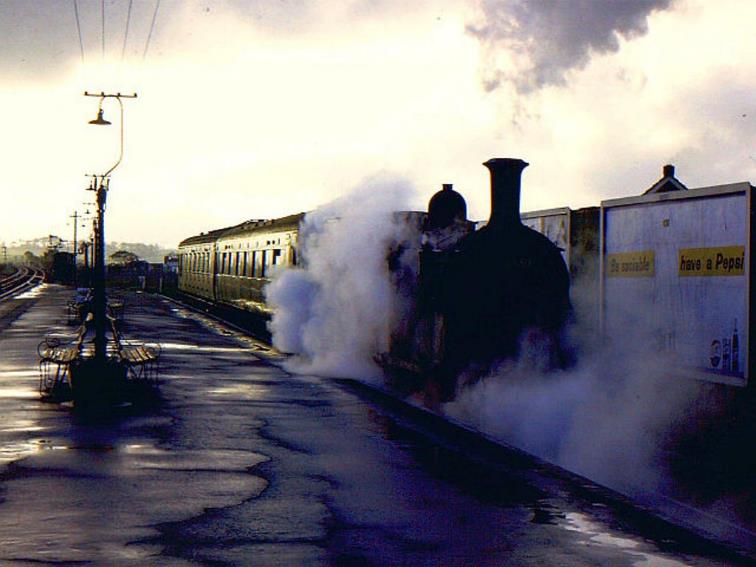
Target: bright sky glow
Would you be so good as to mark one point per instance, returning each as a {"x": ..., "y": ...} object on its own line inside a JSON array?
[{"x": 261, "y": 109}]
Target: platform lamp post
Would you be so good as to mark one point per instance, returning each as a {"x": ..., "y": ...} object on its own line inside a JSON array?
[{"x": 100, "y": 185}]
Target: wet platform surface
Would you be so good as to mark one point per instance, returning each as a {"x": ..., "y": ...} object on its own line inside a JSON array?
[{"x": 242, "y": 463}]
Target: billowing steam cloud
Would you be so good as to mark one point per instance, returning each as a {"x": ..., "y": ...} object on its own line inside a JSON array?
[
  {"x": 615, "y": 417},
  {"x": 533, "y": 43},
  {"x": 609, "y": 418},
  {"x": 336, "y": 313}
]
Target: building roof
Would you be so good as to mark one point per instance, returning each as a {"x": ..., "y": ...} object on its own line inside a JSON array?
[
  {"x": 245, "y": 228},
  {"x": 667, "y": 183}
]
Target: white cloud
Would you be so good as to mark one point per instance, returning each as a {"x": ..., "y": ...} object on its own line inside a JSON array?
[{"x": 236, "y": 120}]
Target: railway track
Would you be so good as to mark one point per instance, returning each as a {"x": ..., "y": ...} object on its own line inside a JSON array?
[{"x": 21, "y": 280}]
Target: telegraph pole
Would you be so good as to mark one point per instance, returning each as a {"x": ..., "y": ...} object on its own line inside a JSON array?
[{"x": 75, "y": 218}]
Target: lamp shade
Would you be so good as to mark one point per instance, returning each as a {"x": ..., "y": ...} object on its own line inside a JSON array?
[{"x": 99, "y": 120}]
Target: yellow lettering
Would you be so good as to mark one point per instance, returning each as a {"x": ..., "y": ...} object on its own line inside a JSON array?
[
  {"x": 716, "y": 261},
  {"x": 631, "y": 264}
]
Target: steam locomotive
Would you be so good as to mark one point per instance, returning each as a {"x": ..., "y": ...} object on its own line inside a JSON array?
[
  {"x": 472, "y": 293},
  {"x": 479, "y": 293},
  {"x": 475, "y": 295}
]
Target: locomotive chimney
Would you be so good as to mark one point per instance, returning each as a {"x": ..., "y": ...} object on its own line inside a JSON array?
[{"x": 505, "y": 190}]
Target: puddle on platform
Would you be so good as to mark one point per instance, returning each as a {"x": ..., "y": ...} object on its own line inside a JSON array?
[
  {"x": 597, "y": 534},
  {"x": 20, "y": 426},
  {"x": 34, "y": 373},
  {"x": 10, "y": 452},
  {"x": 241, "y": 390},
  {"x": 187, "y": 346},
  {"x": 32, "y": 293},
  {"x": 217, "y": 327},
  {"x": 16, "y": 392},
  {"x": 14, "y": 451}
]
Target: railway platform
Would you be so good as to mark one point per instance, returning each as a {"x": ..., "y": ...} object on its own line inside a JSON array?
[{"x": 241, "y": 463}]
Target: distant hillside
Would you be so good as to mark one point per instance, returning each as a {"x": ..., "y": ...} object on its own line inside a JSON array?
[
  {"x": 148, "y": 252},
  {"x": 38, "y": 246}
]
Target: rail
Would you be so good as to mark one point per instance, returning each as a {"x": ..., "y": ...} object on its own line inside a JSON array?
[{"x": 21, "y": 280}]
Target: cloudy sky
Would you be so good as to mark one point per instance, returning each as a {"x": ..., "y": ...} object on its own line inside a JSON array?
[{"x": 254, "y": 109}]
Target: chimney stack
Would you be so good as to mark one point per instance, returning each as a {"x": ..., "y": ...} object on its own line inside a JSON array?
[
  {"x": 669, "y": 170},
  {"x": 505, "y": 190}
]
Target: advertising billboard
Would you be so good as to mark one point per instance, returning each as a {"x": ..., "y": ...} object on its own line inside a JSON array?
[{"x": 675, "y": 268}]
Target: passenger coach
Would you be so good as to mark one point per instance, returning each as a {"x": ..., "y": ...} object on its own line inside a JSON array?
[{"x": 232, "y": 265}]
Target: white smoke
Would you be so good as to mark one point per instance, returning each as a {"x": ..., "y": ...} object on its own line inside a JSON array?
[
  {"x": 609, "y": 418},
  {"x": 336, "y": 312},
  {"x": 534, "y": 43}
]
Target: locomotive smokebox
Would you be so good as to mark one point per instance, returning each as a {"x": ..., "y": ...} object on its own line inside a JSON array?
[
  {"x": 506, "y": 174},
  {"x": 505, "y": 283}
]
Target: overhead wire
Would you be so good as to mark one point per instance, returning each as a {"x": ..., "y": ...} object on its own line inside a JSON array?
[
  {"x": 152, "y": 28},
  {"x": 102, "y": 13},
  {"x": 127, "y": 30},
  {"x": 78, "y": 28},
  {"x": 126, "y": 33}
]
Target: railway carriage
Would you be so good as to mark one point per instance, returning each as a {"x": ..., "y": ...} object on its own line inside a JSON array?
[{"x": 232, "y": 265}]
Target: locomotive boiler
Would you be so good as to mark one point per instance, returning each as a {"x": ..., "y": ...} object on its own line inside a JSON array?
[{"x": 481, "y": 296}]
